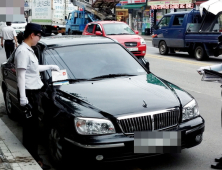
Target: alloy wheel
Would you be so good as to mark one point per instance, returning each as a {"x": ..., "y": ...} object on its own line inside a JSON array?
[
  {"x": 199, "y": 53},
  {"x": 55, "y": 145},
  {"x": 8, "y": 102},
  {"x": 162, "y": 48}
]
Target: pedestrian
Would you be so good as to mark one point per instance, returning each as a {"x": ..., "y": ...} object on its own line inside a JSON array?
[
  {"x": 9, "y": 34},
  {"x": 29, "y": 85},
  {"x": 218, "y": 67}
]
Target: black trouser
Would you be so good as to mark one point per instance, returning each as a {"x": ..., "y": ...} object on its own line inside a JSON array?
[
  {"x": 9, "y": 47},
  {"x": 31, "y": 125}
]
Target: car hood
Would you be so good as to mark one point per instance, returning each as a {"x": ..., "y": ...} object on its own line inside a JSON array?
[
  {"x": 125, "y": 95},
  {"x": 125, "y": 38}
]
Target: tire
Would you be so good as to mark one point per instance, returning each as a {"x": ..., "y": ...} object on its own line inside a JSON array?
[
  {"x": 55, "y": 147},
  {"x": 70, "y": 32},
  {"x": 10, "y": 108},
  {"x": 200, "y": 53},
  {"x": 163, "y": 49}
]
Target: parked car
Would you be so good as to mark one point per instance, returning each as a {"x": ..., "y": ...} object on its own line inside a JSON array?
[
  {"x": 110, "y": 95},
  {"x": 120, "y": 32}
]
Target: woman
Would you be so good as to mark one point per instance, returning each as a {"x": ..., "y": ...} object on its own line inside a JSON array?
[{"x": 29, "y": 85}]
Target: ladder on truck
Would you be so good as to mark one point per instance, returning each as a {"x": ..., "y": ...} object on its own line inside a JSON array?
[{"x": 101, "y": 8}]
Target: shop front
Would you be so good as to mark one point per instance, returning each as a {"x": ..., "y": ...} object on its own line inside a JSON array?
[
  {"x": 135, "y": 13},
  {"x": 122, "y": 15}
]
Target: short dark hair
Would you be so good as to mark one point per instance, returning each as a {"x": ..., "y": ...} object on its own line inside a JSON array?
[
  {"x": 29, "y": 32},
  {"x": 8, "y": 23}
]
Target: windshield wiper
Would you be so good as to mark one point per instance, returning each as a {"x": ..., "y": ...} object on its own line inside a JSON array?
[
  {"x": 125, "y": 34},
  {"x": 112, "y": 76},
  {"x": 112, "y": 34},
  {"x": 70, "y": 80}
]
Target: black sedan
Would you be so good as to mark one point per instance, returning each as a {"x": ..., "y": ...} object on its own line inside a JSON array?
[{"x": 110, "y": 96}]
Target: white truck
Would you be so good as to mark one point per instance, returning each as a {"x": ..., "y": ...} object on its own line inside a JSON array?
[{"x": 50, "y": 14}]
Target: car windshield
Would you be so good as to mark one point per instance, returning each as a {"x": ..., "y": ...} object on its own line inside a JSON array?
[
  {"x": 117, "y": 29},
  {"x": 93, "y": 61}
]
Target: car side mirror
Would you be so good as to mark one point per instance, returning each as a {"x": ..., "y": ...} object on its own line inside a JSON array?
[
  {"x": 155, "y": 27},
  {"x": 145, "y": 63},
  {"x": 98, "y": 33},
  {"x": 136, "y": 32}
]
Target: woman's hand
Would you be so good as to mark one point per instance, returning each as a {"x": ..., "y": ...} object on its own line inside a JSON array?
[
  {"x": 23, "y": 101},
  {"x": 54, "y": 67}
]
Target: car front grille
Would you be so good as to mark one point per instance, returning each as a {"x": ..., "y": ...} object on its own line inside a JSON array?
[
  {"x": 130, "y": 44},
  {"x": 149, "y": 121}
]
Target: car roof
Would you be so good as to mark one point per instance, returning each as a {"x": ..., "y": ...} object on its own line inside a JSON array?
[
  {"x": 66, "y": 40},
  {"x": 176, "y": 13},
  {"x": 106, "y": 22}
]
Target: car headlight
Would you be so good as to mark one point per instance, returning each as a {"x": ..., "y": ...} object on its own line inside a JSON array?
[
  {"x": 190, "y": 110},
  {"x": 142, "y": 41},
  {"x": 92, "y": 126}
]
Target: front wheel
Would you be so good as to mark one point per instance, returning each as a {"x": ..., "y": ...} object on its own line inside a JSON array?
[
  {"x": 163, "y": 49},
  {"x": 200, "y": 53},
  {"x": 55, "y": 147},
  {"x": 70, "y": 32}
]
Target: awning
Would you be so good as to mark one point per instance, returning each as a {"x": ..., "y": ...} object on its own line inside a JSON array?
[{"x": 132, "y": 6}]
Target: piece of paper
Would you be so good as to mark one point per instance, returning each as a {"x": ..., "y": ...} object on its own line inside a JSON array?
[{"x": 59, "y": 75}]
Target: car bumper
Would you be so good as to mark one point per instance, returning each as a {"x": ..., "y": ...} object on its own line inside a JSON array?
[
  {"x": 140, "y": 52},
  {"x": 155, "y": 42},
  {"x": 119, "y": 147}
]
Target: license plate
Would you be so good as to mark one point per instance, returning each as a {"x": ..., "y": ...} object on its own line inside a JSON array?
[{"x": 132, "y": 49}]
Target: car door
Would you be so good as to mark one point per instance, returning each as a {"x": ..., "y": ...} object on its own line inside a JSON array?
[
  {"x": 11, "y": 79},
  {"x": 89, "y": 30},
  {"x": 98, "y": 28},
  {"x": 163, "y": 27},
  {"x": 176, "y": 31}
]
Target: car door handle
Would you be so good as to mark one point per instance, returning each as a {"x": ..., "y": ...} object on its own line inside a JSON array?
[{"x": 179, "y": 30}]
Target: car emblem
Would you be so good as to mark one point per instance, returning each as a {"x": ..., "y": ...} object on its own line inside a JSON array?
[
  {"x": 144, "y": 104},
  {"x": 131, "y": 44}
]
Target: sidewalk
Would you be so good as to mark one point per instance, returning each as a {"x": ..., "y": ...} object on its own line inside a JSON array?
[{"x": 13, "y": 155}]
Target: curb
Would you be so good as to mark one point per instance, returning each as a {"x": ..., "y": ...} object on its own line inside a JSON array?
[{"x": 13, "y": 155}]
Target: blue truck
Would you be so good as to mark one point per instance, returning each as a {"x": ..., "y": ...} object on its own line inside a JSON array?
[
  {"x": 90, "y": 11},
  {"x": 188, "y": 31}
]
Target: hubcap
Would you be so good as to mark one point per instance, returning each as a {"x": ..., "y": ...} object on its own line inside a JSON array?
[
  {"x": 162, "y": 48},
  {"x": 56, "y": 147},
  {"x": 8, "y": 102},
  {"x": 199, "y": 53}
]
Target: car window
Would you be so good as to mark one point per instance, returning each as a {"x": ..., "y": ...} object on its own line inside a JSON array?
[
  {"x": 165, "y": 21},
  {"x": 98, "y": 28},
  {"x": 217, "y": 27},
  {"x": 117, "y": 29},
  {"x": 178, "y": 20},
  {"x": 88, "y": 61},
  {"x": 90, "y": 28},
  {"x": 194, "y": 26},
  {"x": 70, "y": 16}
]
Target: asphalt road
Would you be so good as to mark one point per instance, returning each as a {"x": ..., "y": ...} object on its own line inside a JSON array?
[{"x": 179, "y": 69}]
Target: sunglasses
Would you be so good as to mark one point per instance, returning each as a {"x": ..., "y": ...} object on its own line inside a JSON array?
[{"x": 39, "y": 36}]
